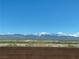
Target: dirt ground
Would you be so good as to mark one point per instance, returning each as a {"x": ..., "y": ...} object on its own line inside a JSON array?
[{"x": 38, "y": 53}]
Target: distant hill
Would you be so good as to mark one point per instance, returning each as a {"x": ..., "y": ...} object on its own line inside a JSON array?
[{"x": 37, "y": 37}]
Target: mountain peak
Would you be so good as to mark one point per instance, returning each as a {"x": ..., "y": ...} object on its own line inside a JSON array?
[
  {"x": 68, "y": 34},
  {"x": 42, "y": 33}
]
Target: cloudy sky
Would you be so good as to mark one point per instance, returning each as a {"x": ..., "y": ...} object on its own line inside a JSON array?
[{"x": 29, "y": 16}]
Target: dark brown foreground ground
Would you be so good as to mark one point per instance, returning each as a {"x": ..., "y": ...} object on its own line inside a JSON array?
[{"x": 39, "y": 53}]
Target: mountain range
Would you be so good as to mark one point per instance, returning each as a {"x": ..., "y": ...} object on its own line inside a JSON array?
[{"x": 39, "y": 36}]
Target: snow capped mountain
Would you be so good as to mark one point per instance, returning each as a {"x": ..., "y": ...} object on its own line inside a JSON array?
[
  {"x": 69, "y": 34},
  {"x": 62, "y": 34},
  {"x": 58, "y": 34},
  {"x": 75, "y": 34},
  {"x": 43, "y": 35}
]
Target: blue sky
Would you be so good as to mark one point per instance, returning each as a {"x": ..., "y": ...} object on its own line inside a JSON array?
[{"x": 29, "y": 16}]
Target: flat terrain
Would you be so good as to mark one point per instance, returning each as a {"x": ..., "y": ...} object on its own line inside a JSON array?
[
  {"x": 39, "y": 43},
  {"x": 38, "y": 53}
]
